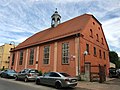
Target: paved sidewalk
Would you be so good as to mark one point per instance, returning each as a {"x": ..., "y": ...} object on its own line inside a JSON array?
[{"x": 110, "y": 84}]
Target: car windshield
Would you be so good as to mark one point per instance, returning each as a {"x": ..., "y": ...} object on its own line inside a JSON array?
[
  {"x": 11, "y": 71},
  {"x": 65, "y": 74},
  {"x": 34, "y": 71}
]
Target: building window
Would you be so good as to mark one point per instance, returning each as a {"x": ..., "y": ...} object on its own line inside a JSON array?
[
  {"x": 21, "y": 58},
  {"x": 65, "y": 53},
  {"x": 87, "y": 48},
  {"x": 99, "y": 28},
  {"x": 93, "y": 23},
  {"x": 31, "y": 56},
  {"x": 13, "y": 58},
  {"x": 102, "y": 40},
  {"x": 100, "y": 54},
  {"x": 104, "y": 56},
  {"x": 46, "y": 54},
  {"x": 95, "y": 51},
  {"x": 97, "y": 37},
  {"x": 91, "y": 33}
]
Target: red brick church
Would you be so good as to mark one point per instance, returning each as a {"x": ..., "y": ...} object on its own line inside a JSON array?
[{"x": 72, "y": 46}]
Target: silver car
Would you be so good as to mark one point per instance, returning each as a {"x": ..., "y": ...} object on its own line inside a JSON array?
[
  {"x": 27, "y": 75},
  {"x": 57, "y": 79}
]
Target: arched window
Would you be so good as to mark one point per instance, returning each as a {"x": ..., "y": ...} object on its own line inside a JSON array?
[
  {"x": 97, "y": 37},
  {"x": 91, "y": 33},
  {"x": 102, "y": 40}
]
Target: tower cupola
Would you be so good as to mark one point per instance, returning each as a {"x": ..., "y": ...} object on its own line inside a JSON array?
[{"x": 55, "y": 19}]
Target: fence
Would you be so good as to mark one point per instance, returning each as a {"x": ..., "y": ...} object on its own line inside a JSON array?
[{"x": 97, "y": 73}]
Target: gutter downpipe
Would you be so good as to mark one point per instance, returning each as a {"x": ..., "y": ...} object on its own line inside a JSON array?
[{"x": 78, "y": 51}]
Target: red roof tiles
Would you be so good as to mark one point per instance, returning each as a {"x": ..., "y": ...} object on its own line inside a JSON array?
[{"x": 67, "y": 28}]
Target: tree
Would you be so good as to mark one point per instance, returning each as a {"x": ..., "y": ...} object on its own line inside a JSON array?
[{"x": 113, "y": 56}]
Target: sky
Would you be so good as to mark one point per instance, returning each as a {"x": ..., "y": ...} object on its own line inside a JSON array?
[{"x": 20, "y": 19}]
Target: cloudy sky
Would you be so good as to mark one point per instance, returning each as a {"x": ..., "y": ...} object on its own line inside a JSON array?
[{"x": 19, "y": 19}]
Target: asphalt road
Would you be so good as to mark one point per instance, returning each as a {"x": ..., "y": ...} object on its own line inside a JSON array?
[{"x": 11, "y": 84}]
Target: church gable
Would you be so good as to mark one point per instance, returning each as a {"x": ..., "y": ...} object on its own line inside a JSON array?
[{"x": 94, "y": 31}]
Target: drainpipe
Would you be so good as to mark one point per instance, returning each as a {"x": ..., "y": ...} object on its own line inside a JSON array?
[{"x": 78, "y": 51}]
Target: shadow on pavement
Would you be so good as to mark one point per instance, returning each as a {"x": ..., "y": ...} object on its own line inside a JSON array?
[
  {"x": 113, "y": 81},
  {"x": 75, "y": 88}
]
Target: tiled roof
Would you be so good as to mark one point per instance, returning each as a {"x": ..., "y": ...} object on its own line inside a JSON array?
[{"x": 67, "y": 28}]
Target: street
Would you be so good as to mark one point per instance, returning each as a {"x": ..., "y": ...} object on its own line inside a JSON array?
[{"x": 11, "y": 84}]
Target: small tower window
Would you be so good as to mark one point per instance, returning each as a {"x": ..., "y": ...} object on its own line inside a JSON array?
[
  {"x": 95, "y": 51},
  {"x": 99, "y": 28},
  {"x": 93, "y": 23},
  {"x": 104, "y": 56},
  {"x": 97, "y": 37},
  {"x": 102, "y": 40},
  {"x": 91, "y": 33},
  {"x": 100, "y": 54},
  {"x": 87, "y": 48}
]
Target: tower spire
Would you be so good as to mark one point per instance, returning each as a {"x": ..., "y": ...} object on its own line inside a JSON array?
[{"x": 55, "y": 19}]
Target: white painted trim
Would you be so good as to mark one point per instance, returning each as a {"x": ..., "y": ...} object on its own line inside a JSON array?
[
  {"x": 16, "y": 61},
  {"x": 26, "y": 59},
  {"x": 37, "y": 56},
  {"x": 55, "y": 57}
]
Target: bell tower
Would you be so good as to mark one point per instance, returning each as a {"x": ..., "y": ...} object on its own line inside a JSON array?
[{"x": 55, "y": 19}]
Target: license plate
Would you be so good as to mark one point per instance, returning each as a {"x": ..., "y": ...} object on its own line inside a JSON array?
[{"x": 73, "y": 80}]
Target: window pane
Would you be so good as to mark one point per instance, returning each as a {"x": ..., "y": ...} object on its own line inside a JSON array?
[
  {"x": 65, "y": 53},
  {"x": 46, "y": 55},
  {"x": 21, "y": 58},
  {"x": 31, "y": 56}
]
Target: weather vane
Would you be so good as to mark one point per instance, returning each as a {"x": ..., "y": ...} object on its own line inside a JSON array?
[{"x": 56, "y": 9}]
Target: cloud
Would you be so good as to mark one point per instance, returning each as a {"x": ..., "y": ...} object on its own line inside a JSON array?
[
  {"x": 112, "y": 32},
  {"x": 20, "y": 19}
]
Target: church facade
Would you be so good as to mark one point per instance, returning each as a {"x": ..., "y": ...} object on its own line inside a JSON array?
[{"x": 72, "y": 47}]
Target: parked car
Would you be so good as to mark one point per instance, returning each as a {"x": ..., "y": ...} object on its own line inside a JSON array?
[
  {"x": 27, "y": 75},
  {"x": 1, "y": 72},
  {"x": 57, "y": 79},
  {"x": 118, "y": 73},
  {"x": 8, "y": 73},
  {"x": 113, "y": 72}
]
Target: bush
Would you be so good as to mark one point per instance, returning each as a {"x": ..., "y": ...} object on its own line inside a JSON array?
[{"x": 40, "y": 73}]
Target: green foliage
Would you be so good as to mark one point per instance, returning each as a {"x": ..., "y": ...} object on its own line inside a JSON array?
[
  {"x": 117, "y": 64},
  {"x": 113, "y": 56},
  {"x": 40, "y": 73}
]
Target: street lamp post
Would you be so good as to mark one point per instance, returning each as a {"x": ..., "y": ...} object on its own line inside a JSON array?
[
  {"x": 12, "y": 43},
  {"x": 85, "y": 53}
]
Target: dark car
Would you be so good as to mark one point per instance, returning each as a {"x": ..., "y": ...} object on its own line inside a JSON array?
[
  {"x": 1, "y": 72},
  {"x": 27, "y": 75},
  {"x": 112, "y": 72},
  {"x": 8, "y": 73},
  {"x": 57, "y": 79},
  {"x": 118, "y": 73}
]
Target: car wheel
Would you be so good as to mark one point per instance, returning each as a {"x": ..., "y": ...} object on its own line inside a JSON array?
[
  {"x": 37, "y": 82},
  {"x": 58, "y": 85},
  {"x": 26, "y": 80}
]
